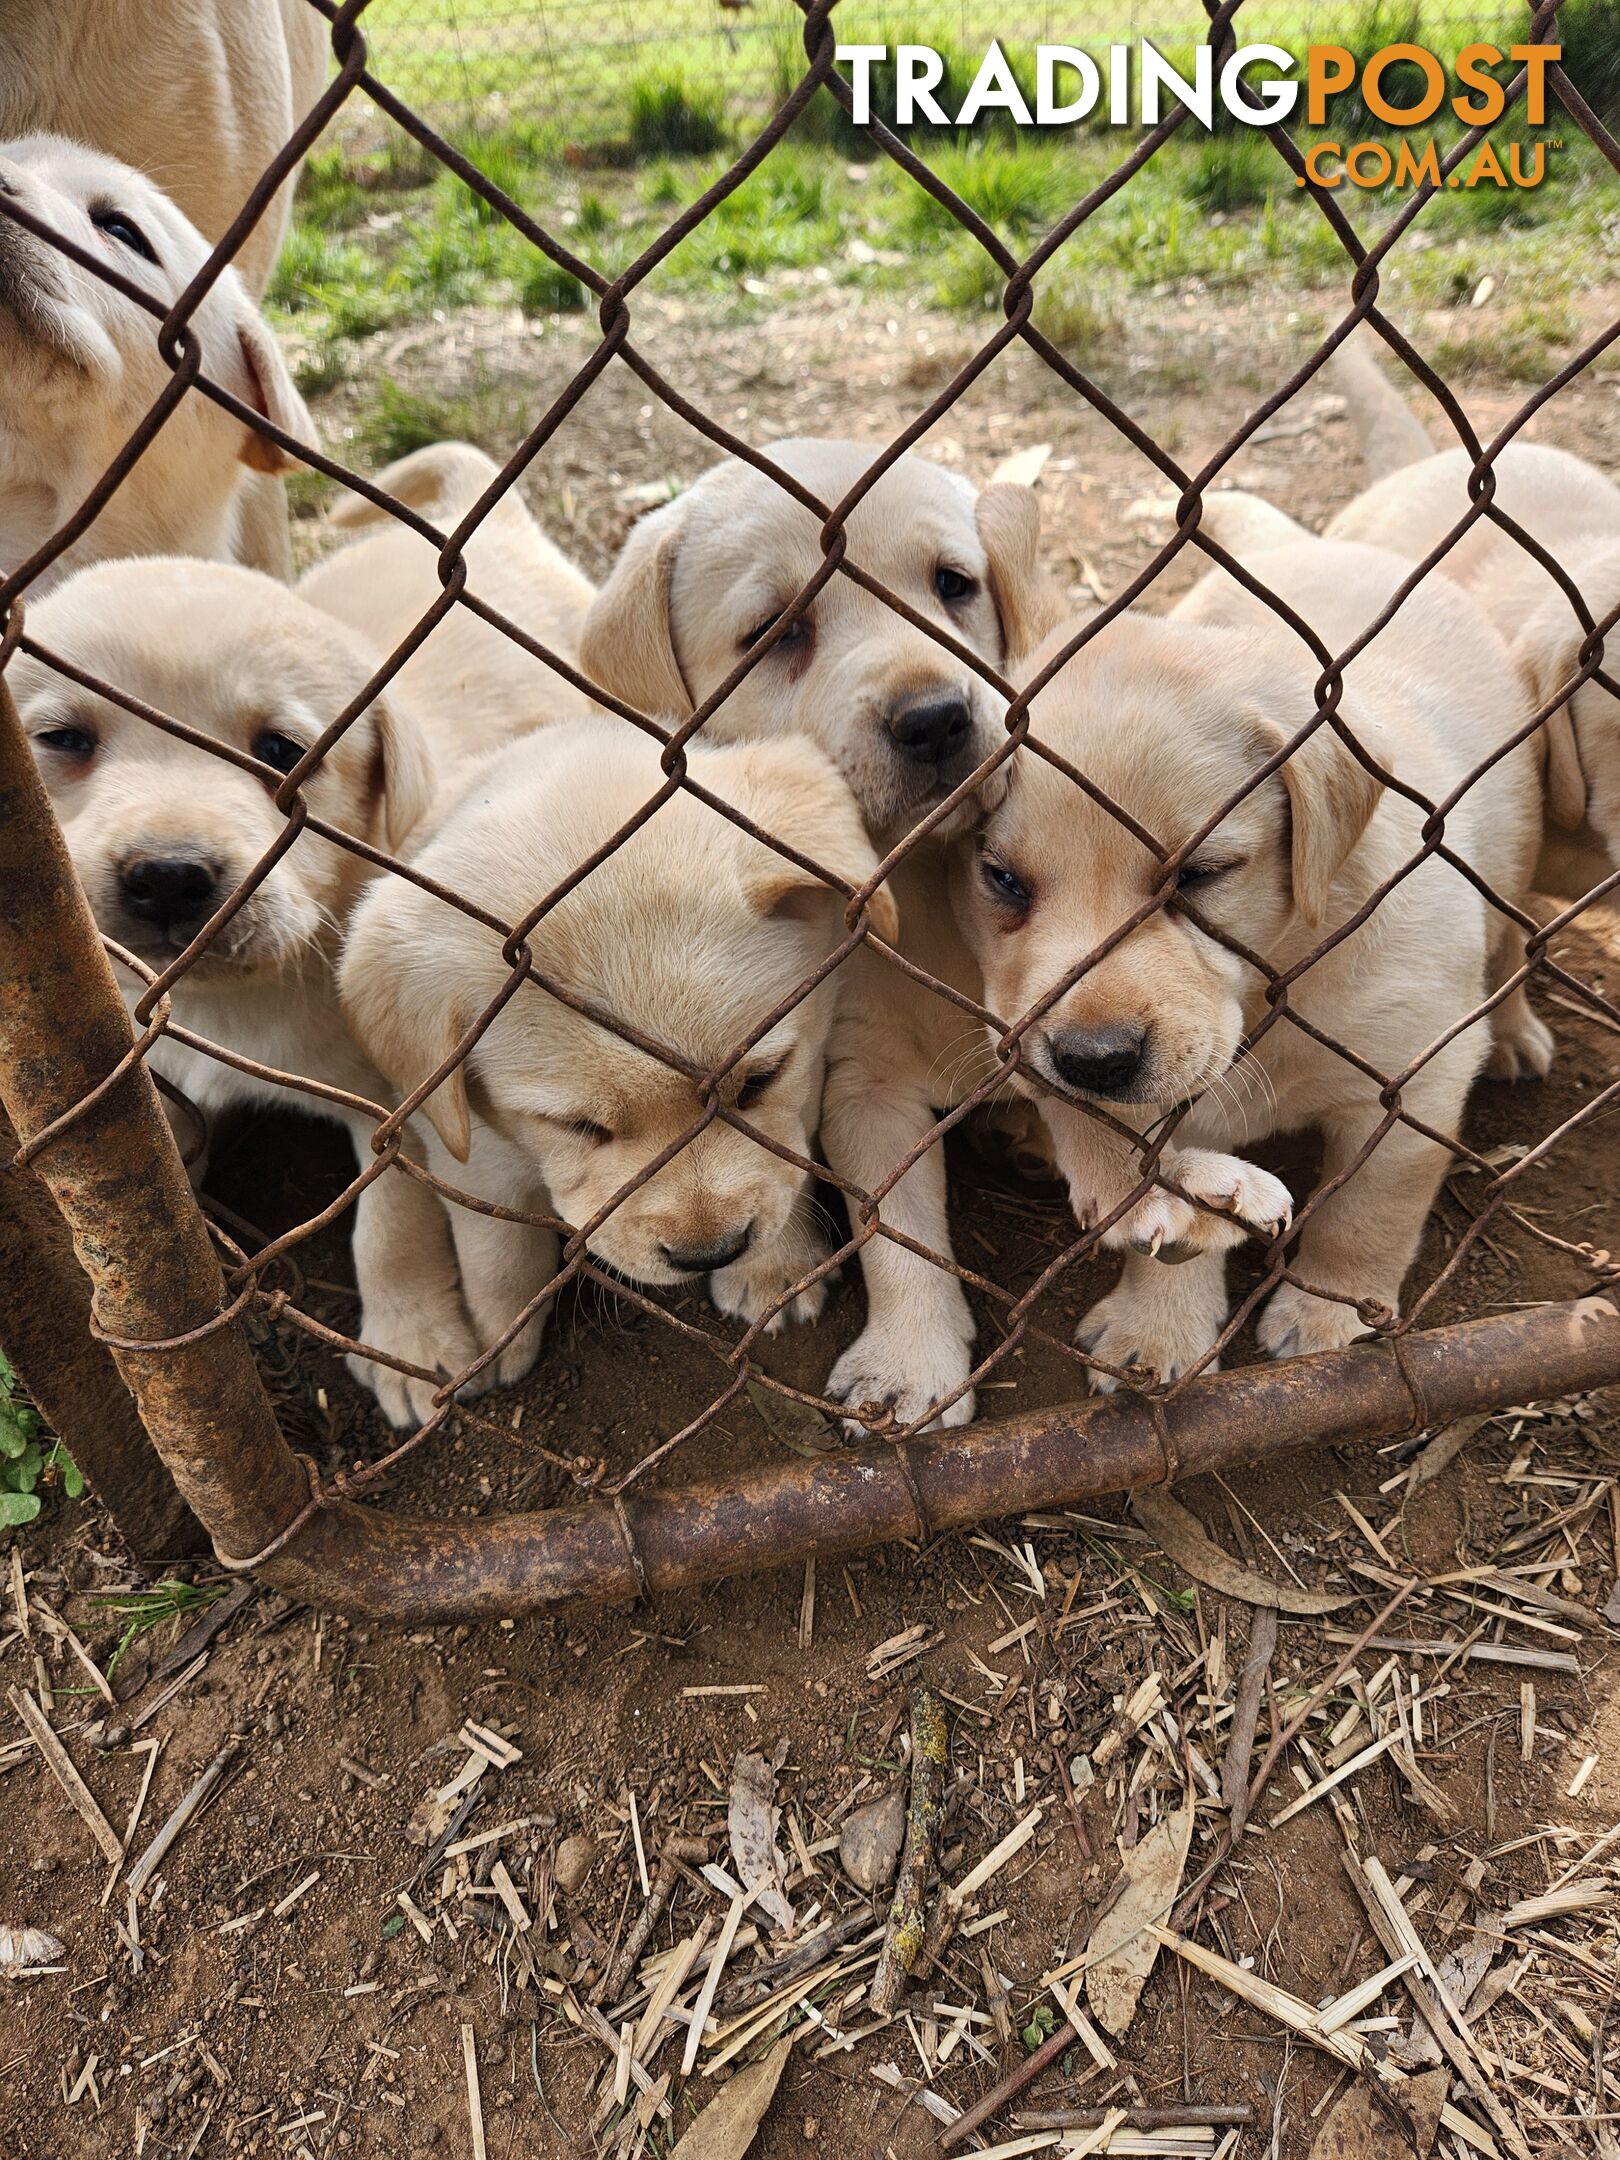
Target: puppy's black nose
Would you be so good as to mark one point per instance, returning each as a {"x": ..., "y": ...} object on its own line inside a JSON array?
[
  {"x": 166, "y": 889},
  {"x": 932, "y": 727},
  {"x": 1100, "y": 1061},
  {"x": 704, "y": 1259}
]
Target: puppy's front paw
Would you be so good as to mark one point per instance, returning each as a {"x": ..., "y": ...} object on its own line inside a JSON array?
[
  {"x": 906, "y": 1372},
  {"x": 752, "y": 1285},
  {"x": 1165, "y": 1321},
  {"x": 1163, "y": 1226},
  {"x": 1522, "y": 1045},
  {"x": 1295, "y": 1322},
  {"x": 429, "y": 1330}
]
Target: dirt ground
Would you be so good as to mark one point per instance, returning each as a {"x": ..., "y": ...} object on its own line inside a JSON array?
[{"x": 272, "y": 1995}]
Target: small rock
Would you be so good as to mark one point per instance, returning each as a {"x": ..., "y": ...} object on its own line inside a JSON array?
[
  {"x": 869, "y": 1843},
  {"x": 576, "y": 1856}
]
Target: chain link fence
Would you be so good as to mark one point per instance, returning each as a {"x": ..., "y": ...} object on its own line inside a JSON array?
[
  {"x": 1030, "y": 745},
  {"x": 679, "y": 75}
]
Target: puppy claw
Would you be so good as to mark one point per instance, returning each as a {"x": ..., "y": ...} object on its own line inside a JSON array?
[{"x": 882, "y": 1372}]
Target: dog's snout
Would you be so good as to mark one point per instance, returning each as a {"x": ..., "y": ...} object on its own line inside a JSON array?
[
  {"x": 704, "y": 1259},
  {"x": 1100, "y": 1061},
  {"x": 167, "y": 889},
  {"x": 933, "y": 726}
]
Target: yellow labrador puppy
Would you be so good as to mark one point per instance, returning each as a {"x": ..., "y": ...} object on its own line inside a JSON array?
[
  {"x": 81, "y": 368},
  {"x": 200, "y": 94},
  {"x": 1569, "y": 508},
  {"x": 700, "y": 581},
  {"x": 690, "y": 932},
  {"x": 162, "y": 833},
  {"x": 384, "y": 580},
  {"x": 698, "y": 584},
  {"x": 1169, "y": 718}
]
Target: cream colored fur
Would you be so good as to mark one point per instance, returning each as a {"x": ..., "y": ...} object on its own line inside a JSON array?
[{"x": 81, "y": 368}]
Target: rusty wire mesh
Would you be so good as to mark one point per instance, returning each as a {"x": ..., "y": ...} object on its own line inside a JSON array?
[{"x": 256, "y": 1278}]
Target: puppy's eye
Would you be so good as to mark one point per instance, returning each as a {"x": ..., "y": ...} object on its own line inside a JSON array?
[
  {"x": 277, "y": 751},
  {"x": 70, "y": 742},
  {"x": 954, "y": 585},
  {"x": 119, "y": 226},
  {"x": 1199, "y": 876},
  {"x": 1005, "y": 884},
  {"x": 792, "y": 639},
  {"x": 756, "y": 1084},
  {"x": 587, "y": 1129}
]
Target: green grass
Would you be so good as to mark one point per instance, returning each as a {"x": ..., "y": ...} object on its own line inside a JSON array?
[
  {"x": 400, "y": 419},
  {"x": 144, "y": 1610},
  {"x": 384, "y": 235}
]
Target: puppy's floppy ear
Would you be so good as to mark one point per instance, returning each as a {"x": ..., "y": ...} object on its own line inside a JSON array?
[
  {"x": 628, "y": 642},
  {"x": 1331, "y": 798},
  {"x": 1547, "y": 651},
  {"x": 1027, "y": 600},
  {"x": 408, "y": 775},
  {"x": 405, "y": 1004},
  {"x": 254, "y": 370},
  {"x": 795, "y": 792}
]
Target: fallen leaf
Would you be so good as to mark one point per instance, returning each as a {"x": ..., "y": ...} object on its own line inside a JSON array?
[
  {"x": 798, "y": 1425},
  {"x": 1120, "y": 1948},
  {"x": 1443, "y": 1450},
  {"x": 1180, "y": 1534},
  {"x": 869, "y": 1843},
  {"x": 1611, "y": 1607},
  {"x": 725, "y": 2129},
  {"x": 751, "y": 1819},
  {"x": 1023, "y": 468},
  {"x": 1357, "y": 2128}
]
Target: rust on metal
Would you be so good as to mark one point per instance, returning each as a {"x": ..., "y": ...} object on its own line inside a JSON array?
[{"x": 117, "y": 1180}]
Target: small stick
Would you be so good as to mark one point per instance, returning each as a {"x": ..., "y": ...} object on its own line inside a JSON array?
[
  {"x": 612, "y": 1983},
  {"x": 153, "y": 1857},
  {"x": 60, "y": 1765},
  {"x": 1139, "y": 2118},
  {"x": 1246, "y": 1718},
  {"x": 1080, "y": 1837},
  {"x": 475, "y": 2105},
  {"x": 903, "y": 1937},
  {"x": 1017, "y": 2078}
]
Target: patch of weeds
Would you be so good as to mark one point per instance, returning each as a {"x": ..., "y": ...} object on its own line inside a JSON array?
[
  {"x": 546, "y": 288},
  {"x": 784, "y": 216},
  {"x": 1234, "y": 172},
  {"x": 1589, "y": 32},
  {"x": 323, "y": 367},
  {"x": 1018, "y": 189},
  {"x": 1519, "y": 345},
  {"x": 25, "y": 1461},
  {"x": 400, "y": 419},
  {"x": 319, "y": 276},
  {"x": 1073, "y": 311},
  {"x": 662, "y": 188},
  {"x": 170, "y": 1600},
  {"x": 330, "y": 192},
  {"x": 594, "y": 217},
  {"x": 671, "y": 116}
]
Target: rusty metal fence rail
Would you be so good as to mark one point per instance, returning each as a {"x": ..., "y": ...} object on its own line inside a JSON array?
[{"x": 171, "y": 1293}]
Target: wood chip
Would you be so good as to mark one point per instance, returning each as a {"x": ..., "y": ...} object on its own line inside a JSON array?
[
  {"x": 60, "y": 1765},
  {"x": 475, "y": 2103}
]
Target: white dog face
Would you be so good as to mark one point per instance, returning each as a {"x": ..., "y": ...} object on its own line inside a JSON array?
[
  {"x": 81, "y": 365},
  {"x": 162, "y": 831},
  {"x": 690, "y": 933},
  {"x": 701, "y": 580},
  {"x": 1168, "y": 719}
]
